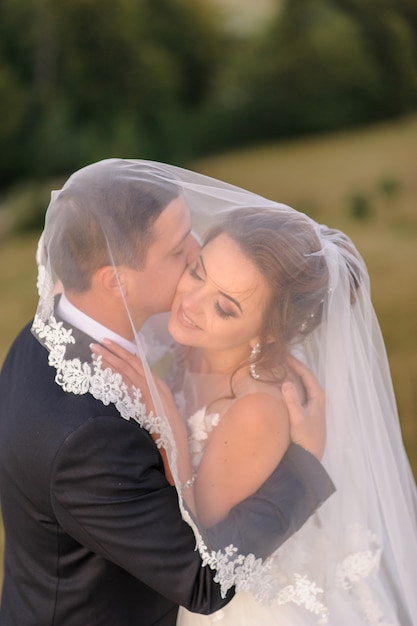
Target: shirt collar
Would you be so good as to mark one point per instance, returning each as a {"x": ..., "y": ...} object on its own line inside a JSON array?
[{"x": 73, "y": 316}]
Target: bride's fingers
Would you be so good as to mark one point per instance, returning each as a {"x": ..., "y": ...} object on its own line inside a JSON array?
[
  {"x": 131, "y": 382},
  {"x": 109, "y": 359},
  {"x": 125, "y": 355},
  {"x": 131, "y": 360},
  {"x": 130, "y": 367}
]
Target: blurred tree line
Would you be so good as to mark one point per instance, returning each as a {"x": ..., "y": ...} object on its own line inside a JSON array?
[{"x": 82, "y": 80}]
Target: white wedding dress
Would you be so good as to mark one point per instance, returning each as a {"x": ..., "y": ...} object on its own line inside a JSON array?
[{"x": 301, "y": 601}]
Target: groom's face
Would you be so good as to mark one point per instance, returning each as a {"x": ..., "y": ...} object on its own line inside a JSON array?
[{"x": 166, "y": 259}]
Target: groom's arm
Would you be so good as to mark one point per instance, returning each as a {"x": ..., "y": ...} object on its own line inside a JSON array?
[{"x": 262, "y": 522}]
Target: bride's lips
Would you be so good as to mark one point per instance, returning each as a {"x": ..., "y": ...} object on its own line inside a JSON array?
[{"x": 184, "y": 320}]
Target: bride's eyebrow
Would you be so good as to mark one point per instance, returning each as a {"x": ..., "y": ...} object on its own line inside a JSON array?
[
  {"x": 222, "y": 293},
  {"x": 235, "y": 302}
]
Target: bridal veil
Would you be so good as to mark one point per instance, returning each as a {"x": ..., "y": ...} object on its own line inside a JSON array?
[{"x": 359, "y": 549}]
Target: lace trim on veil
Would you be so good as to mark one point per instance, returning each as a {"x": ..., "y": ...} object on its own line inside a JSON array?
[
  {"x": 79, "y": 377},
  {"x": 274, "y": 582}
]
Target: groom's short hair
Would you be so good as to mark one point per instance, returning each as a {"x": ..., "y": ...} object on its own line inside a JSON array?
[{"x": 110, "y": 205}]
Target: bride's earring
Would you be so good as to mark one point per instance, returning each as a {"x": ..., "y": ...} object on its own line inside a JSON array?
[{"x": 256, "y": 351}]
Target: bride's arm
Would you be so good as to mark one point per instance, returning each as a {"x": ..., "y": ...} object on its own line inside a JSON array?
[
  {"x": 297, "y": 486},
  {"x": 131, "y": 369},
  {"x": 241, "y": 453}
]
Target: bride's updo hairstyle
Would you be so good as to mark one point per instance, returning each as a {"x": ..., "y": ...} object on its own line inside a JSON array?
[{"x": 286, "y": 247}]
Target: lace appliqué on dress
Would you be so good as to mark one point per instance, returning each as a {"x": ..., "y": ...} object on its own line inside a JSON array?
[{"x": 200, "y": 426}]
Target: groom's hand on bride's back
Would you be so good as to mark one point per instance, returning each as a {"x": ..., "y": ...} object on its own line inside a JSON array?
[{"x": 306, "y": 403}]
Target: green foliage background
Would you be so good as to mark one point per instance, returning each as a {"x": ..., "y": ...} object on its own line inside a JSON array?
[{"x": 173, "y": 79}]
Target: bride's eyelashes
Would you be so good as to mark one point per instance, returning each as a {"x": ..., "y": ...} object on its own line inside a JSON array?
[{"x": 224, "y": 314}]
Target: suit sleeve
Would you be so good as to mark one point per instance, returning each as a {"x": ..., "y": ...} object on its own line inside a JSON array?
[
  {"x": 109, "y": 493},
  {"x": 265, "y": 520}
]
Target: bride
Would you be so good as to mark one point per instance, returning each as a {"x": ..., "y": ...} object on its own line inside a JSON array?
[{"x": 269, "y": 284}]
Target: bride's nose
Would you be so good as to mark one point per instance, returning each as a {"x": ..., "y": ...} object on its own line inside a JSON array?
[{"x": 193, "y": 299}]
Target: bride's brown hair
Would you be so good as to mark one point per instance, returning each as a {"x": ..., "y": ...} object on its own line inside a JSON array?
[{"x": 285, "y": 247}]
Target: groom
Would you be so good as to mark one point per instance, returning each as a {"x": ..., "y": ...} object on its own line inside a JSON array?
[{"x": 94, "y": 535}]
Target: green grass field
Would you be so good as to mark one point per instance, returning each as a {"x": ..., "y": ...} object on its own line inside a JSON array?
[{"x": 363, "y": 182}]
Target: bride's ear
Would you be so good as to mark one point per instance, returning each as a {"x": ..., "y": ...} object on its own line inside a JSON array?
[{"x": 256, "y": 340}]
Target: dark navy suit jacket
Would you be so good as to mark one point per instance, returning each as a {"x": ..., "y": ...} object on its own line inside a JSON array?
[{"x": 94, "y": 536}]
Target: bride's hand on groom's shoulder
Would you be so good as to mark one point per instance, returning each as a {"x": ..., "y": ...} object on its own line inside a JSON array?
[
  {"x": 130, "y": 367},
  {"x": 120, "y": 361},
  {"x": 306, "y": 403}
]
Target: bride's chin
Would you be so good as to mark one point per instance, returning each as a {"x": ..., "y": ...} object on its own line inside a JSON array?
[
  {"x": 174, "y": 330},
  {"x": 179, "y": 334}
]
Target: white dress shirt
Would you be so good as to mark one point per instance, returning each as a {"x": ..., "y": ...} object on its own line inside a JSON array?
[{"x": 73, "y": 316}]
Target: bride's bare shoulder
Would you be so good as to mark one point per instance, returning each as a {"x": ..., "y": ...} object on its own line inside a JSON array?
[{"x": 262, "y": 406}]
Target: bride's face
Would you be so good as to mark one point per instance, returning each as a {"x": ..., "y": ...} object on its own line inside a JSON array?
[{"x": 220, "y": 300}]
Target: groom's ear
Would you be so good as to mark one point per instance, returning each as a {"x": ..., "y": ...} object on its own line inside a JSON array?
[{"x": 111, "y": 280}]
